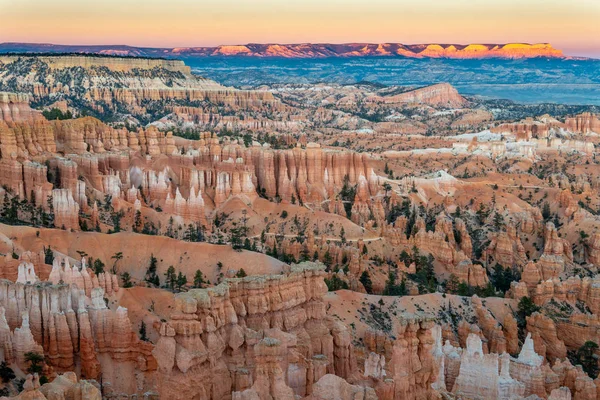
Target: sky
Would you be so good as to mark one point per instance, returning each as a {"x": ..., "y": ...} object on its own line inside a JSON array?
[{"x": 571, "y": 25}]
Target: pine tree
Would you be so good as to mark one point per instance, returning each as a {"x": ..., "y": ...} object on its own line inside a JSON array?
[
  {"x": 143, "y": 334},
  {"x": 151, "y": 276},
  {"x": 126, "y": 278},
  {"x": 181, "y": 281},
  {"x": 170, "y": 278},
  {"x": 498, "y": 221},
  {"x": 365, "y": 279},
  {"x": 98, "y": 266},
  {"x": 48, "y": 255},
  {"x": 36, "y": 362},
  {"x": 137, "y": 224},
  {"x": 198, "y": 279},
  {"x": 6, "y": 373},
  {"x": 546, "y": 213},
  {"x": 587, "y": 358}
]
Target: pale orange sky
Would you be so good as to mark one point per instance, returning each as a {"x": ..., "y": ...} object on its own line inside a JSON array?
[{"x": 571, "y": 25}]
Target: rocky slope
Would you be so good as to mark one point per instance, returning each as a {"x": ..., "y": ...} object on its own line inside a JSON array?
[{"x": 109, "y": 85}]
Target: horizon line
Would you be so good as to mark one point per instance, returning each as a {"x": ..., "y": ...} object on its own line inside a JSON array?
[{"x": 593, "y": 54}]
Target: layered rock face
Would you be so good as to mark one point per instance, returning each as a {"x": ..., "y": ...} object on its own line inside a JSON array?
[
  {"x": 507, "y": 248},
  {"x": 64, "y": 273},
  {"x": 572, "y": 290},
  {"x": 27, "y": 180},
  {"x": 473, "y": 371},
  {"x": 283, "y": 120},
  {"x": 331, "y": 387},
  {"x": 14, "y": 107},
  {"x": 259, "y": 337},
  {"x": 310, "y": 175},
  {"x": 71, "y": 329},
  {"x": 107, "y": 84},
  {"x": 414, "y": 369},
  {"x": 65, "y": 386},
  {"x": 480, "y": 375},
  {"x": 208, "y": 173},
  {"x": 542, "y": 127},
  {"x": 113, "y": 63},
  {"x": 442, "y": 94},
  {"x": 526, "y": 129},
  {"x": 441, "y": 243},
  {"x": 24, "y": 139},
  {"x": 66, "y": 209},
  {"x": 584, "y": 123},
  {"x": 497, "y": 376}
]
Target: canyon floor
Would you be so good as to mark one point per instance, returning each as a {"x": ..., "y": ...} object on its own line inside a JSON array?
[{"x": 164, "y": 236}]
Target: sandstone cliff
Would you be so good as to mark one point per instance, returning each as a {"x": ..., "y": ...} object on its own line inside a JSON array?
[
  {"x": 442, "y": 94},
  {"x": 260, "y": 337}
]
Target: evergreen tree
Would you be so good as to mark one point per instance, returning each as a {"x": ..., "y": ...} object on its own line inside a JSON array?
[
  {"x": 98, "y": 266},
  {"x": 463, "y": 289},
  {"x": 502, "y": 277},
  {"x": 10, "y": 209},
  {"x": 6, "y": 373},
  {"x": 393, "y": 289},
  {"x": 343, "y": 235},
  {"x": 327, "y": 260},
  {"x": 525, "y": 308},
  {"x": 143, "y": 334},
  {"x": 546, "y": 213},
  {"x": 482, "y": 214},
  {"x": 181, "y": 281},
  {"x": 587, "y": 358},
  {"x": 405, "y": 258},
  {"x": 48, "y": 255},
  {"x": 126, "y": 278},
  {"x": 347, "y": 195},
  {"x": 335, "y": 283},
  {"x": 171, "y": 278},
  {"x": 151, "y": 275},
  {"x": 137, "y": 224},
  {"x": 116, "y": 219},
  {"x": 235, "y": 238},
  {"x": 198, "y": 279},
  {"x": 194, "y": 233},
  {"x": 304, "y": 254},
  {"x": 36, "y": 362},
  {"x": 365, "y": 279},
  {"x": 498, "y": 221}
]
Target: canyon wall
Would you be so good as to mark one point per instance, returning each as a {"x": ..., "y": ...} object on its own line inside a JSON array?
[
  {"x": 441, "y": 95},
  {"x": 74, "y": 331},
  {"x": 14, "y": 107},
  {"x": 258, "y": 337}
]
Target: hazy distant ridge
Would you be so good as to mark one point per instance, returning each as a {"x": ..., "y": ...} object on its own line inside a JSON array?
[{"x": 308, "y": 50}]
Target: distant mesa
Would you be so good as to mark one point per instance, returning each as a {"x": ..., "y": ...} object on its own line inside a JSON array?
[{"x": 309, "y": 50}]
